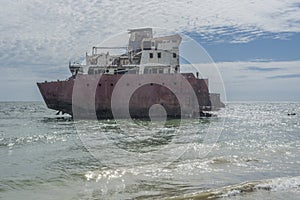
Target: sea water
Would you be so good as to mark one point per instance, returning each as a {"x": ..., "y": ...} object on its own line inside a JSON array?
[{"x": 250, "y": 150}]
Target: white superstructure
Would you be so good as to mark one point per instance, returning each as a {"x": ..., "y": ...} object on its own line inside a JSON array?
[{"x": 145, "y": 55}]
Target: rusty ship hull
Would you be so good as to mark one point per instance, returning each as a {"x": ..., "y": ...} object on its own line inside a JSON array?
[{"x": 94, "y": 95}]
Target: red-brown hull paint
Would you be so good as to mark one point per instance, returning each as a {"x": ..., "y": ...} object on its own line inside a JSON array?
[{"x": 58, "y": 95}]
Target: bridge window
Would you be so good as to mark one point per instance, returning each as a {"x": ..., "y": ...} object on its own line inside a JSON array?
[
  {"x": 150, "y": 55},
  {"x": 174, "y": 55},
  {"x": 159, "y": 55},
  {"x": 147, "y": 45}
]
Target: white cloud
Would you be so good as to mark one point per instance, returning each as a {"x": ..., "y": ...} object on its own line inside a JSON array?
[{"x": 36, "y": 31}]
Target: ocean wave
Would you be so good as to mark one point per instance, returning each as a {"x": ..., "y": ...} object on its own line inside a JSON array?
[{"x": 273, "y": 185}]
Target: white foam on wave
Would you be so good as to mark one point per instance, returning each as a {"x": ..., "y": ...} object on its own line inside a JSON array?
[
  {"x": 231, "y": 193},
  {"x": 280, "y": 184},
  {"x": 104, "y": 174},
  {"x": 273, "y": 185},
  {"x": 16, "y": 141}
]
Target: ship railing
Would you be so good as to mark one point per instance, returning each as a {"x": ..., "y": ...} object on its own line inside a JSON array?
[{"x": 95, "y": 49}]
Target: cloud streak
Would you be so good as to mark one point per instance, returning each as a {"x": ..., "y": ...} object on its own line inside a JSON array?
[
  {"x": 285, "y": 76},
  {"x": 263, "y": 69}
]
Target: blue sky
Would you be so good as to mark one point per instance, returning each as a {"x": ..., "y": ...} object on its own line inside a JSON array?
[
  {"x": 261, "y": 48},
  {"x": 255, "y": 44}
]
